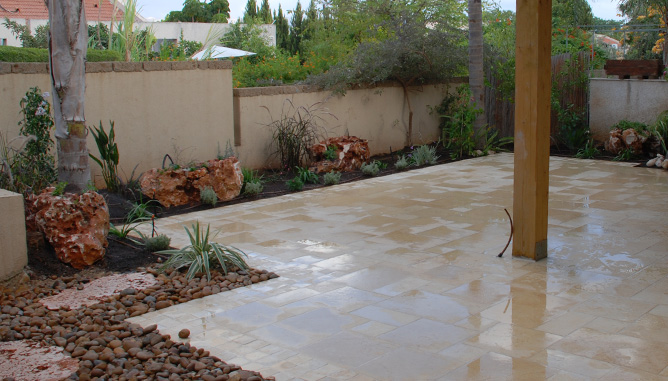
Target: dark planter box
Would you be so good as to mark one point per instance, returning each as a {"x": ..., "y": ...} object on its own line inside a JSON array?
[{"x": 634, "y": 68}]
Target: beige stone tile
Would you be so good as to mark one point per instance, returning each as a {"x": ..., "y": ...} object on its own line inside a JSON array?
[
  {"x": 580, "y": 365},
  {"x": 494, "y": 366},
  {"x": 563, "y": 325},
  {"x": 624, "y": 309},
  {"x": 513, "y": 340},
  {"x": 649, "y": 327},
  {"x": 626, "y": 374},
  {"x": 527, "y": 309},
  {"x": 463, "y": 352},
  {"x": 427, "y": 334},
  {"x": 408, "y": 364},
  {"x": 617, "y": 349}
]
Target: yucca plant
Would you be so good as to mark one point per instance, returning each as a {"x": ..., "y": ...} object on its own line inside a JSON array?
[{"x": 199, "y": 255}]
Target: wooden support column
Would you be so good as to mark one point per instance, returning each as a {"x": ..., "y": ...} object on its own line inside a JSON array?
[{"x": 532, "y": 127}]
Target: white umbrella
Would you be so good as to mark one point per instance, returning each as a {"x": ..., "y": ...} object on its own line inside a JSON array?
[{"x": 218, "y": 52}]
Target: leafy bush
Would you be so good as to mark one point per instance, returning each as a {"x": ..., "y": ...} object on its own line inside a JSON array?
[
  {"x": 424, "y": 154},
  {"x": 332, "y": 178},
  {"x": 253, "y": 189},
  {"x": 108, "y": 159},
  {"x": 208, "y": 196},
  {"x": 457, "y": 117},
  {"x": 370, "y": 169},
  {"x": 14, "y": 54},
  {"x": 589, "y": 151},
  {"x": 306, "y": 176},
  {"x": 401, "y": 164},
  {"x": 202, "y": 255},
  {"x": 295, "y": 132},
  {"x": 295, "y": 184}
]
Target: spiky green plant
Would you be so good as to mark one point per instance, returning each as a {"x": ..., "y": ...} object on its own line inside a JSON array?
[{"x": 199, "y": 255}]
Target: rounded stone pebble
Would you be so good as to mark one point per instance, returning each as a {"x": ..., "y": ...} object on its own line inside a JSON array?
[{"x": 184, "y": 333}]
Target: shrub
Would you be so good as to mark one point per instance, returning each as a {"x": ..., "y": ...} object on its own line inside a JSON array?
[
  {"x": 401, "y": 164},
  {"x": 253, "y": 189},
  {"x": 457, "y": 117},
  {"x": 370, "y": 169},
  {"x": 295, "y": 184},
  {"x": 424, "y": 154},
  {"x": 626, "y": 124},
  {"x": 202, "y": 255},
  {"x": 14, "y": 54},
  {"x": 156, "y": 243},
  {"x": 208, "y": 196},
  {"x": 332, "y": 178}
]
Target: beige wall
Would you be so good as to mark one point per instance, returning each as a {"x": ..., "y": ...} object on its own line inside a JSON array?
[
  {"x": 156, "y": 111},
  {"x": 13, "y": 250},
  {"x": 378, "y": 114},
  {"x": 612, "y": 100}
]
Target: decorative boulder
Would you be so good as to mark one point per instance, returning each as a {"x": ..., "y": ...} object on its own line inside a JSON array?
[
  {"x": 182, "y": 186},
  {"x": 615, "y": 143},
  {"x": 76, "y": 225},
  {"x": 628, "y": 139},
  {"x": 633, "y": 140},
  {"x": 351, "y": 153}
]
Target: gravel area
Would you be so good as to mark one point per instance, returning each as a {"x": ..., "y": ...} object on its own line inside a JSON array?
[{"x": 107, "y": 346}]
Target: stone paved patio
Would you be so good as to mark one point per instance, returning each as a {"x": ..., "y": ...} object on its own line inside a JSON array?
[{"x": 396, "y": 278}]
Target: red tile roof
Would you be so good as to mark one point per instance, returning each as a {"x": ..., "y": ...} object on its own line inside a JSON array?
[{"x": 36, "y": 10}]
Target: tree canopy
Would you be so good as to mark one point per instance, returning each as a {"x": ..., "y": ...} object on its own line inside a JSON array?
[{"x": 198, "y": 11}]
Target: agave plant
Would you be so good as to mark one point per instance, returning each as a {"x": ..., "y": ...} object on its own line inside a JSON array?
[{"x": 202, "y": 254}]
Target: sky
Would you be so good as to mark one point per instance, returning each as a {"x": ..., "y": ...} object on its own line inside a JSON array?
[{"x": 158, "y": 9}]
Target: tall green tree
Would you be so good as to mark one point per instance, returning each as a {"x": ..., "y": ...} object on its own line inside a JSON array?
[
  {"x": 250, "y": 14},
  {"x": 296, "y": 28},
  {"x": 573, "y": 13},
  {"x": 311, "y": 21},
  {"x": 67, "y": 54},
  {"x": 195, "y": 11},
  {"x": 282, "y": 30},
  {"x": 264, "y": 14},
  {"x": 219, "y": 10}
]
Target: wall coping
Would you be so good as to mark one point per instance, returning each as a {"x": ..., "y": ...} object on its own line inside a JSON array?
[
  {"x": 118, "y": 66},
  {"x": 300, "y": 89}
]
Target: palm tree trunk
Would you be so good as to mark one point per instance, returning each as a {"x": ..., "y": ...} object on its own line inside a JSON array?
[
  {"x": 68, "y": 39},
  {"x": 476, "y": 74}
]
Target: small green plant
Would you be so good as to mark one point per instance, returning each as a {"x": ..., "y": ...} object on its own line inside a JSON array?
[
  {"x": 331, "y": 178},
  {"x": 307, "y": 176},
  {"x": 229, "y": 151},
  {"x": 202, "y": 254},
  {"x": 589, "y": 151},
  {"x": 253, "y": 189},
  {"x": 90, "y": 187},
  {"x": 152, "y": 244},
  {"x": 401, "y": 163},
  {"x": 659, "y": 131},
  {"x": 208, "y": 196},
  {"x": 59, "y": 189},
  {"x": 370, "y": 169},
  {"x": 424, "y": 155},
  {"x": 138, "y": 215},
  {"x": 624, "y": 155},
  {"x": 108, "y": 159},
  {"x": 295, "y": 184},
  {"x": 494, "y": 143},
  {"x": 330, "y": 153}
]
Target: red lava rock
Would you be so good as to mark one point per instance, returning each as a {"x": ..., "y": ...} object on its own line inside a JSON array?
[
  {"x": 351, "y": 153},
  {"x": 29, "y": 360},
  {"x": 183, "y": 186},
  {"x": 75, "y": 225},
  {"x": 184, "y": 333}
]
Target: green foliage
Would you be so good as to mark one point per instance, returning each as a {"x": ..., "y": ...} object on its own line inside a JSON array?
[
  {"x": 208, "y": 196},
  {"x": 499, "y": 52},
  {"x": 252, "y": 188},
  {"x": 29, "y": 167},
  {"x": 202, "y": 255},
  {"x": 625, "y": 155},
  {"x": 424, "y": 155},
  {"x": 23, "y": 33},
  {"x": 370, "y": 169},
  {"x": 59, "y": 189},
  {"x": 248, "y": 37},
  {"x": 137, "y": 216},
  {"x": 330, "y": 153},
  {"x": 627, "y": 124},
  {"x": 295, "y": 185},
  {"x": 229, "y": 151},
  {"x": 331, "y": 178},
  {"x": 571, "y": 13},
  {"x": 98, "y": 36},
  {"x": 573, "y": 129},
  {"x": 457, "y": 117},
  {"x": 108, "y": 160},
  {"x": 153, "y": 244},
  {"x": 14, "y": 54},
  {"x": 295, "y": 132},
  {"x": 401, "y": 163},
  {"x": 494, "y": 143},
  {"x": 197, "y": 11},
  {"x": 574, "y": 40},
  {"x": 277, "y": 69},
  {"x": 659, "y": 131},
  {"x": 589, "y": 151},
  {"x": 306, "y": 176}
]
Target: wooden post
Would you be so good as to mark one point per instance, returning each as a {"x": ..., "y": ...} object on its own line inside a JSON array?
[{"x": 532, "y": 127}]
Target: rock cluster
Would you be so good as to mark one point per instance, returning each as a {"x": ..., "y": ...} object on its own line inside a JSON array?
[
  {"x": 76, "y": 225},
  {"x": 108, "y": 346},
  {"x": 628, "y": 139},
  {"x": 172, "y": 187},
  {"x": 351, "y": 153}
]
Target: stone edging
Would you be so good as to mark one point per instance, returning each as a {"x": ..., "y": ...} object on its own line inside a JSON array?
[{"x": 117, "y": 66}]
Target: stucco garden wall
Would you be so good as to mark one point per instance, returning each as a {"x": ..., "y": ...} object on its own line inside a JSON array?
[
  {"x": 378, "y": 114},
  {"x": 13, "y": 250},
  {"x": 612, "y": 100},
  {"x": 181, "y": 108}
]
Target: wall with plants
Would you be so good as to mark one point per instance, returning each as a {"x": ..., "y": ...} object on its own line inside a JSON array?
[{"x": 613, "y": 100}]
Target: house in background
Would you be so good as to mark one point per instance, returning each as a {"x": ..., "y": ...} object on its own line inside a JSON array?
[{"x": 35, "y": 13}]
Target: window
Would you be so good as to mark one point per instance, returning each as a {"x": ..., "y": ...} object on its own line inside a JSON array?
[{"x": 3, "y": 42}]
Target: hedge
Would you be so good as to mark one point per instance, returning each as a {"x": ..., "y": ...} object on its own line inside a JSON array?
[{"x": 14, "y": 54}]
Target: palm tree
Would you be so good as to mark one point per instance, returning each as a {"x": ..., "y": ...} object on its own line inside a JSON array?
[
  {"x": 476, "y": 74},
  {"x": 68, "y": 40}
]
